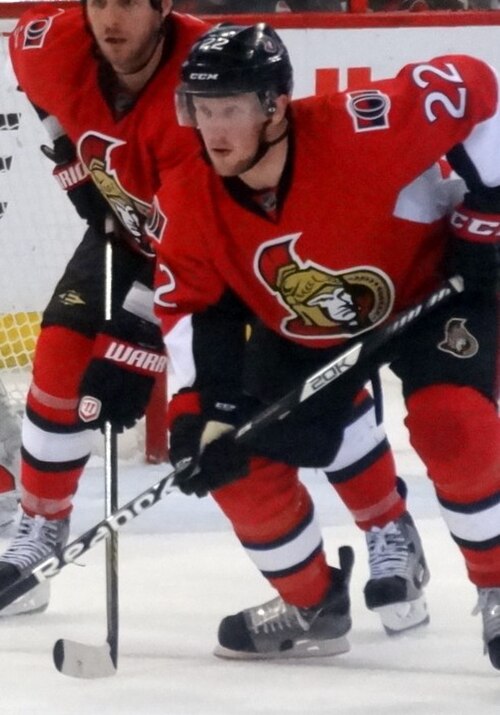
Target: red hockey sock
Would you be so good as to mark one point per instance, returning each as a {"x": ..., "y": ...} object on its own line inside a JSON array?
[
  {"x": 363, "y": 472},
  {"x": 308, "y": 586},
  {"x": 371, "y": 495},
  {"x": 60, "y": 360},
  {"x": 273, "y": 516},
  {"x": 55, "y": 447}
]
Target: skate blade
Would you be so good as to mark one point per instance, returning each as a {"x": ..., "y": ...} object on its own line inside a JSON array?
[
  {"x": 403, "y": 616},
  {"x": 301, "y": 649},
  {"x": 35, "y": 601}
]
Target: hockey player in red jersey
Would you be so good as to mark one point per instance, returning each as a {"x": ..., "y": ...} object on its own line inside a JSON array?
[
  {"x": 117, "y": 110},
  {"x": 100, "y": 76},
  {"x": 300, "y": 216}
]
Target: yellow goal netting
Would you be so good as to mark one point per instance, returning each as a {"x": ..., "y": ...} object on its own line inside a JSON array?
[{"x": 18, "y": 334}]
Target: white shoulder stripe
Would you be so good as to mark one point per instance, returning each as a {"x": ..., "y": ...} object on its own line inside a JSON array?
[
  {"x": 483, "y": 147},
  {"x": 429, "y": 197}
]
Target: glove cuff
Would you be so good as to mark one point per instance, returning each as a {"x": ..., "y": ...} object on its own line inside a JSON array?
[
  {"x": 475, "y": 226},
  {"x": 71, "y": 175},
  {"x": 187, "y": 402},
  {"x": 129, "y": 356},
  {"x": 221, "y": 411}
]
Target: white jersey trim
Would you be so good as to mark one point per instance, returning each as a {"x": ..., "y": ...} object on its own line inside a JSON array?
[{"x": 429, "y": 197}]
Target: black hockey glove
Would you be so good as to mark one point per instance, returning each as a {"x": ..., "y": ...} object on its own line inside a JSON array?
[
  {"x": 476, "y": 246},
  {"x": 116, "y": 387},
  {"x": 75, "y": 180},
  {"x": 202, "y": 445}
]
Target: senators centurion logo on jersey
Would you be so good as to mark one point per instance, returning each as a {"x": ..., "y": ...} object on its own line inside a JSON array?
[
  {"x": 322, "y": 303},
  {"x": 369, "y": 109},
  {"x": 95, "y": 151}
]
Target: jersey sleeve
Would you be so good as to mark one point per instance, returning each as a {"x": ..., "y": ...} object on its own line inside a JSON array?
[
  {"x": 459, "y": 87},
  {"x": 421, "y": 114},
  {"x": 191, "y": 299},
  {"x": 458, "y": 95},
  {"x": 44, "y": 37}
]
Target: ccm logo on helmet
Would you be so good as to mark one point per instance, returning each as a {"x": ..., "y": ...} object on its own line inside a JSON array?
[{"x": 204, "y": 75}]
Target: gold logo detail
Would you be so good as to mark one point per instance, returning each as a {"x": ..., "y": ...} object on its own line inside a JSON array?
[
  {"x": 71, "y": 297},
  {"x": 323, "y": 302}
]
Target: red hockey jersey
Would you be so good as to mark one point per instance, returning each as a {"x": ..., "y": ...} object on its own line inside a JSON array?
[
  {"x": 52, "y": 56},
  {"x": 360, "y": 231}
]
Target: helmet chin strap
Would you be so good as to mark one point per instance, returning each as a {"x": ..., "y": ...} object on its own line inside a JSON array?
[{"x": 264, "y": 146}]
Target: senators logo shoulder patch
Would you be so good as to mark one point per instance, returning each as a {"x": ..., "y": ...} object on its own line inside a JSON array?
[{"x": 458, "y": 341}]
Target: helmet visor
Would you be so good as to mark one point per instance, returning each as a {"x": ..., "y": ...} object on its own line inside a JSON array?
[{"x": 237, "y": 109}]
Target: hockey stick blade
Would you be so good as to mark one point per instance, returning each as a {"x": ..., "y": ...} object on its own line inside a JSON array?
[
  {"x": 52, "y": 565},
  {"x": 79, "y": 660}
]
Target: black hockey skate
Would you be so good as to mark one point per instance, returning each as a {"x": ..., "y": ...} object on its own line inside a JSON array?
[
  {"x": 398, "y": 574},
  {"x": 279, "y": 630}
]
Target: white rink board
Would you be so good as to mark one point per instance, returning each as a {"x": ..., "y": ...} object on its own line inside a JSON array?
[
  {"x": 384, "y": 50},
  {"x": 38, "y": 226}
]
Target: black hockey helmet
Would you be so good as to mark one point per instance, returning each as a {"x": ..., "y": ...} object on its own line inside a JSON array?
[{"x": 234, "y": 59}]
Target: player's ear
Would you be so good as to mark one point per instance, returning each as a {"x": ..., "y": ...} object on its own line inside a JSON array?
[
  {"x": 166, "y": 7},
  {"x": 281, "y": 105}
]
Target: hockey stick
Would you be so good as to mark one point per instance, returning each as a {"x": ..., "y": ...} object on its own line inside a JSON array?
[
  {"x": 51, "y": 566},
  {"x": 80, "y": 660},
  {"x": 111, "y": 472},
  {"x": 72, "y": 657}
]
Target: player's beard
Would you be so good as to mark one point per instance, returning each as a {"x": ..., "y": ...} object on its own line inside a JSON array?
[{"x": 138, "y": 59}]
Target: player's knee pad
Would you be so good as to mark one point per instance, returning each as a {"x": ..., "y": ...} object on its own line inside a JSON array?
[{"x": 456, "y": 432}]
